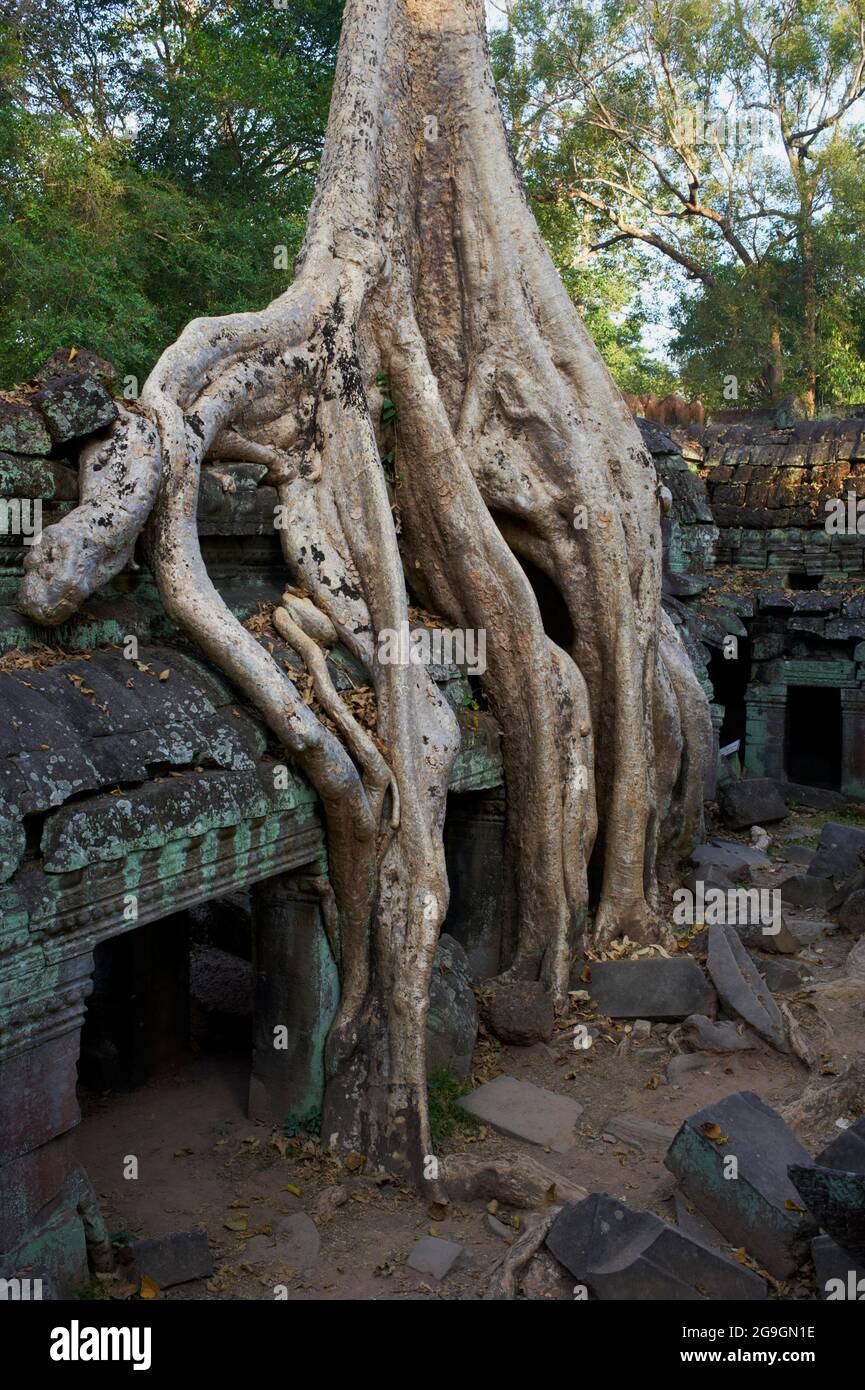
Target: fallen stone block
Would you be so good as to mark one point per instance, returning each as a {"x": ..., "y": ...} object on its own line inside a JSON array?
[
  {"x": 624, "y": 1254},
  {"x": 22, "y": 429},
  {"x": 723, "y": 1036},
  {"x": 838, "y": 1277},
  {"x": 730, "y": 855},
  {"x": 74, "y": 406},
  {"x": 525, "y": 1111},
  {"x": 693, "y": 1224},
  {"x": 801, "y": 890},
  {"x": 847, "y": 1151},
  {"x": 654, "y": 988},
  {"x": 174, "y": 1259},
  {"x": 74, "y": 362},
  {"x": 519, "y": 1012},
  {"x": 852, "y": 914},
  {"x": 435, "y": 1256},
  {"x": 297, "y": 1240},
  {"x": 837, "y": 1200},
  {"x": 783, "y": 976},
  {"x": 798, "y": 854},
  {"x": 751, "y": 801},
  {"x": 752, "y": 1202},
  {"x": 711, "y": 876},
  {"x": 840, "y": 853},
  {"x": 452, "y": 1021},
  {"x": 740, "y": 987},
  {"x": 807, "y": 930}
]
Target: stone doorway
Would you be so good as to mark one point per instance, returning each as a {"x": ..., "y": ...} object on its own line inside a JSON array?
[{"x": 813, "y": 736}]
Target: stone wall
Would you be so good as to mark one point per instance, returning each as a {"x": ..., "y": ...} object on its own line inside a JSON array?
[{"x": 772, "y": 589}]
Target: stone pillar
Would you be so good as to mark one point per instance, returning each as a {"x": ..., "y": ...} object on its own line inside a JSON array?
[
  {"x": 853, "y": 743},
  {"x": 765, "y": 731},
  {"x": 296, "y": 995},
  {"x": 138, "y": 1014},
  {"x": 41, "y": 1225},
  {"x": 474, "y": 845}
]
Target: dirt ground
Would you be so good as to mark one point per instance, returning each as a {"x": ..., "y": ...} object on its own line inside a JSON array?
[{"x": 202, "y": 1163}]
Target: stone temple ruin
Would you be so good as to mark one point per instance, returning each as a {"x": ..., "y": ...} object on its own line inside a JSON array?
[{"x": 146, "y": 813}]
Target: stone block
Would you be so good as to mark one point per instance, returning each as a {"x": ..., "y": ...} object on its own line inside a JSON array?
[
  {"x": 435, "y": 1256},
  {"x": 841, "y": 852},
  {"x": 173, "y": 1259},
  {"x": 783, "y": 976},
  {"x": 519, "y": 1011},
  {"x": 847, "y": 1151},
  {"x": 740, "y": 987},
  {"x": 452, "y": 1021},
  {"x": 837, "y": 1200},
  {"x": 22, "y": 429},
  {"x": 801, "y": 890},
  {"x": 852, "y": 914},
  {"x": 624, "y": 1254},
  {"x": 525, "y": 1111},
  {"x": 751, "y": 801},
  {"x": 654, "y": 988},
  {"x": 730, "y": 855},
  {"x": 759, "y": 1207},
  {"x": 74, "y": 406},
  {"x": 838, "y": 1277},
  {"x": 38, "y": 1087}
]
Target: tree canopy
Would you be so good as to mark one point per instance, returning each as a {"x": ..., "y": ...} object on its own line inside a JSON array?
[{"x": 692, "y": 164}]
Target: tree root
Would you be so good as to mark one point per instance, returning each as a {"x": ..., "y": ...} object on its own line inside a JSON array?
[{"x": 422, "y": 267}]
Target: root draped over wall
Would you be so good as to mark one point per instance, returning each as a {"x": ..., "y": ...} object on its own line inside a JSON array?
[{"x": 422, "y": 268}]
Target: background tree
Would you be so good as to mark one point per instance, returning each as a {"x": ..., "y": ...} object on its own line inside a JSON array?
[
  {"x": 152, "y": 157},
  {"x": 721, "y": 138}
]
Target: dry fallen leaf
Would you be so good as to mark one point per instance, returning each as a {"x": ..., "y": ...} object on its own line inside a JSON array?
[
  {"x": 148, "y": 1289},
  {"x": 713, "y": 1132}
]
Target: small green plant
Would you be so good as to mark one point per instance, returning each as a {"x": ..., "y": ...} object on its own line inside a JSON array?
[
  {"x": 446, "y": 1118},
  {"x": 309, "y": 1124}
]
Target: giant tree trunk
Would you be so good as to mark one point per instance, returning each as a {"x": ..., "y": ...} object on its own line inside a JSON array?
[{"x": 422, "y": 268}]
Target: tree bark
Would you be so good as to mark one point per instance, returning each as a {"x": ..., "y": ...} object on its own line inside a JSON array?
[{"x": 422, "y": 266}]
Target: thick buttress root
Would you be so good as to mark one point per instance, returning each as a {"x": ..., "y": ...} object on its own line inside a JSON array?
[{"x": 422, "y": 269}]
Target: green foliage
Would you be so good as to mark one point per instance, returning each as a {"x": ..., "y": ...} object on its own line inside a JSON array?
[
  {"x": 712, "y": 148},
  {"x": 148, "y": 177},
  {"x": 447, "y": 1120},
  {"x": 157, "y": 162}
]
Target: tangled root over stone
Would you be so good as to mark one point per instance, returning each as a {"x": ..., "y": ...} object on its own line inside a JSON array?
[{"x": 424, "y": 284}]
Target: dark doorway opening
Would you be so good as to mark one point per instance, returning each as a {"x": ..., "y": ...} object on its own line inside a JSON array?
[
  {"x": 798, "y": 579},
  {"x": 813, "y": 735},
  {"x": 167, "y": 992},
  {"x": 554, "y": 611},
  {"x": 730, "y": 677}
]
